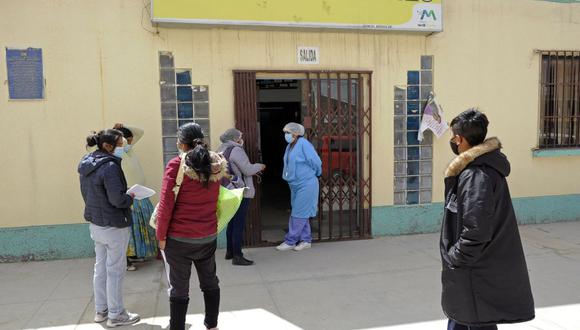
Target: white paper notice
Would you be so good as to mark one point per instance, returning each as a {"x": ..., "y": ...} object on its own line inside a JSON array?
[
  {"x": 433, "y": 119},
  {"x": 141, "y": 192}
]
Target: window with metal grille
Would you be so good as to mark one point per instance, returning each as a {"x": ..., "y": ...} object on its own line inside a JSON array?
[{"x": 560, "y": 100}]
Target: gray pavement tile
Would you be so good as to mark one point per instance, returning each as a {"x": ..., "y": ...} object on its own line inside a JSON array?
[
  {"x": 554, "y": 280},
  {"x": 565, "y": 231},
  {"x": 384, "y": 283},
  {"x": 7, "y": 268},
  {"x": 359, "y": 301},
  {"x": 58, "y": 313},
  {"x": 15, "y": 316},
  {"x": 30, "y": 283},
  {"x": 78, "y": 283},
  {"x": 255, "y": 319},
  {"x": 244, "y": 297},
  {"x": 146, "y": 278},
  {"x": 230, "y": 275},
  {"x": 339, "y": 258},
  {"x": 539, "y": 239}
]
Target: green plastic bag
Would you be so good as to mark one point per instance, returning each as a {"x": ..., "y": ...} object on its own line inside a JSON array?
[{"x": 229, "y": 202}]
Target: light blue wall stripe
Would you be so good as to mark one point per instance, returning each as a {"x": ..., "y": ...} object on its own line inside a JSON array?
[
  {"x": 45, "y": 242},
  {"x": 401, "y": 220},
  {"x": 73, "y": 241},
  {"x": 556, "y": 152}
]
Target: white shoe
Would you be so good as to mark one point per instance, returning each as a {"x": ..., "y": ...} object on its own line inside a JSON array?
[
  {"x": 101, "y": 317},
  {"x": 285, "y": 247},
  {"x": 302, "y": 246},
  {"x": 125, "y": 318}
]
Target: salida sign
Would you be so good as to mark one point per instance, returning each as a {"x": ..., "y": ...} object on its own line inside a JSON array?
[{"x": 308, "y": 55}]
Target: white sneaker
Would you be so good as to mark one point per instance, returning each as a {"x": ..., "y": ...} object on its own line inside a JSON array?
[
  {"x": 285, "y": 247},
  {"x": 125, "y": 318},
  {"x": 101, "y": 317},
  {"x": 302, "y": 246}
]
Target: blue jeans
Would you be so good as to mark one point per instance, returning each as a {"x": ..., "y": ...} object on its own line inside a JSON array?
[
  {"x": 452, "y": 325},
  {"x": 298, "y": 231},
  {"x": 110, "y": 267},
  {"x": 235, "y": 231}
]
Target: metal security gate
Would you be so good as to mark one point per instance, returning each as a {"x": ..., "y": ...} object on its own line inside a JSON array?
[
  {"x": 336, "y": 113},
  {"x": 338, "y": 118},
  {"x": 246, "y": 117}
]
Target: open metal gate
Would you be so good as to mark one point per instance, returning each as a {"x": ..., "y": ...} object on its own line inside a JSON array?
[
  {"x": 246, "y": 117},
  {"x": 336, "y": 112},
  {"x": 338, "y": 118}
]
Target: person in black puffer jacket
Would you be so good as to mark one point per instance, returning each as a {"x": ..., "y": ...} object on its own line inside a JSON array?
[
  {"x": 485, "y": 277},
  {"x": 108, "y": 209}
]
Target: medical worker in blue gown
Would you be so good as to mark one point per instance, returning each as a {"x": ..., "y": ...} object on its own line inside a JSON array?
[{"x": 302, "y": 167}]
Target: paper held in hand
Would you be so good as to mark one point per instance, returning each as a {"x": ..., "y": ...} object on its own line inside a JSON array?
[{"x": 141, "y": 192}]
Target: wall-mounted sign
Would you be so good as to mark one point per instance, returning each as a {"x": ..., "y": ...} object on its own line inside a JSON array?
[
  {"x": 308, "y": 55},
  {"x": 401, "y": 15},
  {"x": 25, "y": 77}
]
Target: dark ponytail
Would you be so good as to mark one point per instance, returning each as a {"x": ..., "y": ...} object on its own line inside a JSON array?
[
  {"x": 110, "y": 136},
  {"x": 189, "y": 133},
  {"x": 199, "y": 160}
]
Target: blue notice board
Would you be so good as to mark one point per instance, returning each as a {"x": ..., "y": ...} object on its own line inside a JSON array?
[{"x": 25, "y": 76}]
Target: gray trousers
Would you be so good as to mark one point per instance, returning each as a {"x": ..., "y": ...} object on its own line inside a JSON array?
[{"x": 110, "y": 267}]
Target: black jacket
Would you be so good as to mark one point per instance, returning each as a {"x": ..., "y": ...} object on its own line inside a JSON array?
[
  {"x": 485, "y": 277},
  {"x": 104, "y": 190}
]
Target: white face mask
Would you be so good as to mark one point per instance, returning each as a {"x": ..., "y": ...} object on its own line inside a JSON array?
[
  {"x": 119, "y": 152},
  {"x": 127, "y": 147}
]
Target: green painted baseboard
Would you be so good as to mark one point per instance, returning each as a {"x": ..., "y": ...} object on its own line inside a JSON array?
[
  {"x": 37, "y": 243},
  {"x": 565, "y": 152},
  {"x": 45, "y": 243},
  {"x": 418, "y": 219},
  {"x": 73, "y": 241}
]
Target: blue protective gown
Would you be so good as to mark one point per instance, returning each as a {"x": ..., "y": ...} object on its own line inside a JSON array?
[{"x": 302, "y": 167}]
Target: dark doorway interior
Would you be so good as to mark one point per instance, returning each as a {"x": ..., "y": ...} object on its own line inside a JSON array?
[{"x": 279, "y": 102}]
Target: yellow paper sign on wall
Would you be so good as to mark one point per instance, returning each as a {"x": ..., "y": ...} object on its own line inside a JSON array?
[{"x": 400, "y": 15}]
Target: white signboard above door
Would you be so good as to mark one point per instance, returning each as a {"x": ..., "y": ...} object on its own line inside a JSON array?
[{"x": 308, "y": 55}]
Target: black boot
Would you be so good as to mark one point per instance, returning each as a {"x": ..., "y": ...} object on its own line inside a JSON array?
[
  {"x": 241, "y": 261},
  {"x": 229, "y": 255},
  {"x": 211, "y": 299},
  {"x": 177, "y": 313}
]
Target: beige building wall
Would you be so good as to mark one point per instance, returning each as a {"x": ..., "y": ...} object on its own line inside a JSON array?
[
  {"x": 486, "y": 58},
  {"x": 101, "y": 67}
]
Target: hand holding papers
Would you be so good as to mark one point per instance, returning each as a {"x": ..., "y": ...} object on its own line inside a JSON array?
[{"x": 141, "y": 192}]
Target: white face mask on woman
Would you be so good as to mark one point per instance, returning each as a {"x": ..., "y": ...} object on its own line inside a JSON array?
[{"x": 119, "y": 152}]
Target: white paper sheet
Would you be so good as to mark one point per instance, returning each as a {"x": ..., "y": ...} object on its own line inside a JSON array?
[{"x": 141, "y": 192}]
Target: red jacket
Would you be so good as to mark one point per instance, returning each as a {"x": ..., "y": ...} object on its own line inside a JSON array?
[{"x": 193, "y": 214}]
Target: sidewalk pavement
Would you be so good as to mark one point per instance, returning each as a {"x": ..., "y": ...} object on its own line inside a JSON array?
[{"x": 388, "y": 283}]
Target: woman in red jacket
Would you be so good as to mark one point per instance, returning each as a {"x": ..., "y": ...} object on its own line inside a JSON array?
[{"x": 187, "y": 225}]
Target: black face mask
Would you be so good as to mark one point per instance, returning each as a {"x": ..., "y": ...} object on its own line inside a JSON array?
[{"x": 454, "y": 147}]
